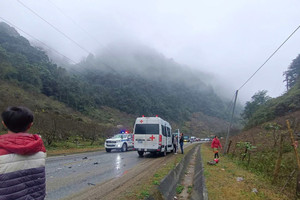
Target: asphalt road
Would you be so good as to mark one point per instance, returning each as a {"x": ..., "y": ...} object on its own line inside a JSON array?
[{"x": 69, "y": 174}]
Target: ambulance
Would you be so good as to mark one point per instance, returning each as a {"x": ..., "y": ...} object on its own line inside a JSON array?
[{"x": 152, "y": 134}]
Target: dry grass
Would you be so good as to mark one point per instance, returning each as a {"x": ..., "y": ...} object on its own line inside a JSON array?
[
  {"x": 148, "y": 186},
  {"x": 222, "y": 184}
]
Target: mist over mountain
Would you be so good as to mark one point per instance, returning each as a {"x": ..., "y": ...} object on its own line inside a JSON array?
[
  {"x": 129, "y": 77},
  {"x": 156, "y": 84}
]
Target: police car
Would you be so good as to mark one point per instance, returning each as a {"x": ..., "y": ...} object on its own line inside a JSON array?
[{"x": 122, "y": 141}]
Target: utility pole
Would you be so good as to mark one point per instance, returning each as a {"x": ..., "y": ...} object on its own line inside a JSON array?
[{"x": 229, "y": 127}]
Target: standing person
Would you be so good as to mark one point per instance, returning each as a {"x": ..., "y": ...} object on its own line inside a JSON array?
[
  {"x": 175, "y": 143},
  {"x": 215, "y": 146},
  {"x": 22, "y": 157},
  {"x": 181, "y": 142}
]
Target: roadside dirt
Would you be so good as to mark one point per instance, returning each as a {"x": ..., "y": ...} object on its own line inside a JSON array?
[{"x": 117, "y": 187}]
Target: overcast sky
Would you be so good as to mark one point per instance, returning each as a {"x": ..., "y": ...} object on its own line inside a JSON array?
[{"x": 230, "y": 39}]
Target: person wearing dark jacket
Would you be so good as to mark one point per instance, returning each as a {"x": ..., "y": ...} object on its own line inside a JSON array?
[
  {"x": 215, "y": 146},
  {"x": 181, "y": 142},
  {"x": 22, "y": 158}
]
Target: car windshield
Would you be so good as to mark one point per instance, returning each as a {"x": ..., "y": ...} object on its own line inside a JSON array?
[
  {"x": 146, "y": 129},
  {"x": 119, "y": 136},
  {"x": 186, "y": 137}
]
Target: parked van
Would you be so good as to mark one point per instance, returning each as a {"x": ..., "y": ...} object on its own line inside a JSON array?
[{"x": 152, "y": 134}]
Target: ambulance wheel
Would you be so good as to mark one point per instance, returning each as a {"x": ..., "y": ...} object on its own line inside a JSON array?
[
  {"x": 141, "y": 153},
  {"x": 108, "y": 150},
  {"x": 124, "y": 147}
]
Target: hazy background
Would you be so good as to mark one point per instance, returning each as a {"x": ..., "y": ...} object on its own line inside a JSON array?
[{"x": 228, "y": 39}]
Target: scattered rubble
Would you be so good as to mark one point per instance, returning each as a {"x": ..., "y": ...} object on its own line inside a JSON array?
[
  {"x": 254, "y": 190},
  {"x": 239, "y": 179}
]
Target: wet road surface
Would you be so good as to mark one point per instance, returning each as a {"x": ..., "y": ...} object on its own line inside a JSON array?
[{"x": 69, "y": 174}]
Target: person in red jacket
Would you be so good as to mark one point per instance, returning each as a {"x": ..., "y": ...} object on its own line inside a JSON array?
[
  {"x": 22, "y": 158},
  {"x": 215, "y": 146}
]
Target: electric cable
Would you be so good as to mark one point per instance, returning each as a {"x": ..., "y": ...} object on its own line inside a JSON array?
[
  {"x": 54, "y": 27},
  {"x": 75, "y": 23},
  {"x": 270, "y": 57},
  {"x": 65, "y": 35},
  {"x": 74, "y": 62}
]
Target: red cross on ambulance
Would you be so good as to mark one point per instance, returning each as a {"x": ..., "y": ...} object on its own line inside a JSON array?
[{"x": 152, "y": 137}]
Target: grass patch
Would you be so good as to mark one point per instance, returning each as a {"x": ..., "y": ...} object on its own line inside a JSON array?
[
  {"x": 190, "y": 189},
  {"x": 62, "y": 151},
  {"x": 179, "y": 189},
  {"x": 143, "y": 194},
  {"x": 155, "y": 182},
  {"x": 71, "y": 147},
  {"x": 221, "y": 181}
]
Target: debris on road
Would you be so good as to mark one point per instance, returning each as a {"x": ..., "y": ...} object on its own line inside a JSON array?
[
  {"x": 255, "y": 190},
  {"x": 211, "y": 162},
  {"x": 239, "y": 179}
]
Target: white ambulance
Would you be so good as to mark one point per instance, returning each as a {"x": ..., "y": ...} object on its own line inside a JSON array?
[{"x": 152, "y": 134}]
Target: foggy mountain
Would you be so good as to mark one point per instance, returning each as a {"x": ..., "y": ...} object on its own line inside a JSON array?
[
  {"x": 131, "y": 78},
  {"x": 157, "y": 84}
]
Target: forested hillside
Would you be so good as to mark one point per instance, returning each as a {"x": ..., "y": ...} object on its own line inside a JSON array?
[
  {"x": 263, "y": 108},
  {"x": 139, "y": 80},
  {"x": 133, "y": 80},
  {"x": 269, "y": 142}
]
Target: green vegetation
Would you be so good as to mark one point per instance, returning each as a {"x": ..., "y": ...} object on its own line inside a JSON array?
[
  {"x": 99, "y": 97},
  {"x": 179, "y": 189},
  {"x": 272, "y": 158},
  {"x": 143, "y": 194},
  {"x": 262, "y": 108},
  {"x": 221, "y": 180},
  {"x": 190, "y": 189}
]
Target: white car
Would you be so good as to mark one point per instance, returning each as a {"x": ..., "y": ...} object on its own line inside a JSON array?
[{"x": 121, "y": 142}]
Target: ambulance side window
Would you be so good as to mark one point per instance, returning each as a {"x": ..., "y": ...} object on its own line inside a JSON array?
[
  {"x": 169, "y": 132},
  {"x": 163, "y": 130}
]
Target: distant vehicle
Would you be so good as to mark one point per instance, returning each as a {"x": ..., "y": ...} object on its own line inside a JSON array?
[
  {"x": 122, "y": 141},
  {"x": 186, "y": 138},
  {"x": 152, "y": 134},
  {"x": 193, "y": 139}
]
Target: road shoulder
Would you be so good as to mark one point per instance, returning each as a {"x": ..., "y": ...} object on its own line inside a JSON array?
[{"x": 226, "y": 180}]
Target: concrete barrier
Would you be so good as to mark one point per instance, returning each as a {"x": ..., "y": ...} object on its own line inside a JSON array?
[
  {"x": 168, "y": 185},
  {"x": 199, "y": 189}
]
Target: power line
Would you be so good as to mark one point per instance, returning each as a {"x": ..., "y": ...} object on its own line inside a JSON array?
[
  {"x": 68, "y": 37},
  {"x": 8, "y": 22},
  {"x": 37, "y": 40},
  {"x": 270, "y": 57},
  {"x": 63, "y": 34},
  {"x": 236, "y": 94},
  {"x": 74, "y": 22}
]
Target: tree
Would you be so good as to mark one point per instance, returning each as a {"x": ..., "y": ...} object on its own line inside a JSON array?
[
  {"x": 293, "y": 73},
  {"x": 252, "y": 106}
]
